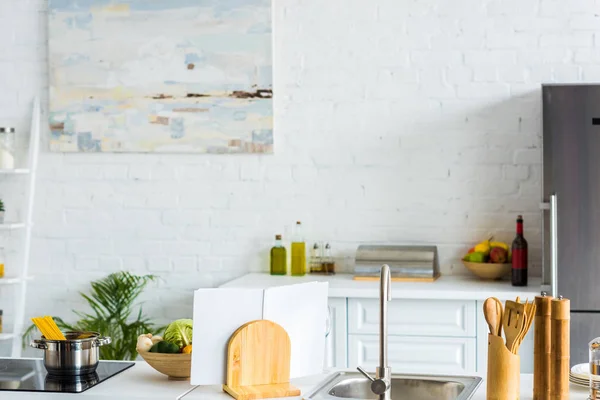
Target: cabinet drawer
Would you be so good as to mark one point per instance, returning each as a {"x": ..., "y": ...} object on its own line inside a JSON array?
[
  {"x": 414, "y": 317},
  {"x": 415, "y": 354}
]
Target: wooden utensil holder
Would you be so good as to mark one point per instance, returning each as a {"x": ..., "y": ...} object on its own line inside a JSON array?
[
  {"x": 258, "y": 362},
  {"x": 503, "y": 371}
]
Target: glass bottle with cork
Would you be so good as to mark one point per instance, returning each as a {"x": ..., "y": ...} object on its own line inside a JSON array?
[
  {"x": 519, "y": 256},
  {"x": 298, "y": 252},
  {"x": 278, "y": 257}
]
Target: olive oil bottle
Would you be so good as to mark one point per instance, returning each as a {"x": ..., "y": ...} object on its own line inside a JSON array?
[
  {"x": 298, "y": 252},
  {"x": 278, "y": 258}
]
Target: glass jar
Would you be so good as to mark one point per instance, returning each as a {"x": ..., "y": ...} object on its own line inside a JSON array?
[{"x": 7, "y": 148}]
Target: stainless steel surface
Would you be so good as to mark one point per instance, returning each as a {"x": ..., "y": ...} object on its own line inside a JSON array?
[
  {"x": 351, "y": 385},
  {"x": 571, "y": 140},
  {"x": 381, "y": 386},
  {"x": 71, "y": 357},
  {"x": 553, "y": 245},
  {"x": 584, "y": 327},
  {"x": 571, "y": 171},
  {"x": 404, "y": 261}
]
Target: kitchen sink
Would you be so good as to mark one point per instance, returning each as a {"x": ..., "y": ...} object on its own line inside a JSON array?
[{"x": 352, "y": 385}]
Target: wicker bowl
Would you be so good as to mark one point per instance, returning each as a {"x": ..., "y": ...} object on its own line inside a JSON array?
[
  {"x": 175, "y": 366},
  {"x": 488, "y": 270}
]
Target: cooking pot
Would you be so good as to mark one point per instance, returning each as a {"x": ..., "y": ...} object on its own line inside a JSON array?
[{"x": 72, "y": 357}]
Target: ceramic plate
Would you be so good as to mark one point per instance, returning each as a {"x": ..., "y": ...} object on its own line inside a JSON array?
[{"x": 581, "y": 371}]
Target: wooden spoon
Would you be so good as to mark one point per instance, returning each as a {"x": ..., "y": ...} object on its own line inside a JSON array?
[
  {"x": 500, "y": 312},
  {"x": 492, "y": 317}
]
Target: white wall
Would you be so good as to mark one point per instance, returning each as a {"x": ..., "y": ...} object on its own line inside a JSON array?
[{"x": 396, "y": 121}]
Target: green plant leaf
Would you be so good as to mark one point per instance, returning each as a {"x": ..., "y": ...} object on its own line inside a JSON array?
[{"x": 112, "y": 300}]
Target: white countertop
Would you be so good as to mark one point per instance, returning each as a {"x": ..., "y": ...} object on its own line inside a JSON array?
[
  {"x": 446, "y": 287},
  {"x": 307, "y": 384},
  {"x": 143, "y": 382}
]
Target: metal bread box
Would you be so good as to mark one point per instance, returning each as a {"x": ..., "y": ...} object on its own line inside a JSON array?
[{"x": 407, "y": 263}]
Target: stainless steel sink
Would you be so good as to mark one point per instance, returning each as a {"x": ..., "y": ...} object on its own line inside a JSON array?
[{"x": 352, "y": 385}]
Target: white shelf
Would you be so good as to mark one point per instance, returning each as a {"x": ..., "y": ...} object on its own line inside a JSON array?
[
  {"x": 10, "y": 226},
  {"x": 16, "y": 171},
  {"x": 13, "y": 281},
  {"x": 7, "y": 336}
]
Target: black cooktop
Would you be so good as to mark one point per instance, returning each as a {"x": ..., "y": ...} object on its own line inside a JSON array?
[{"x": 31, "y": 376}]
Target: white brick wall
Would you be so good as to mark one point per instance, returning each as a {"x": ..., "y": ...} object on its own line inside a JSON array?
[{"x": 396, "y": 121}]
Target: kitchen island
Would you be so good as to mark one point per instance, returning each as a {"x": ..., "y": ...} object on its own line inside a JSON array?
[{"x": 143, "y": 382}]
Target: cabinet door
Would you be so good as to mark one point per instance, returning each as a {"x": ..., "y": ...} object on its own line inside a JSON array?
[
  {"x": 414, "y": 317},
  {"x": 336, "y": 347},
  {"x": 415, "y": 354}
]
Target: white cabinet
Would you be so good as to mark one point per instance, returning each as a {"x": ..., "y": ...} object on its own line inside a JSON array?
[
  {"x": 455, "y": 318},
  {"x": 336, "y": 349},
  {"x": 443, "y": 355}
]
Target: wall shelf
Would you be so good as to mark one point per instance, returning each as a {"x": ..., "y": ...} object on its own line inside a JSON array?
[
  {"x": 16, "y": 171},
  {"x": 7, "y": 336},
  {"x": 13, "y": 281},
  {"x": 11, "y": 226}
]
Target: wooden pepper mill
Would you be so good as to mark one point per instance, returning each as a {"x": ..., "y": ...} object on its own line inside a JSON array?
[
  {"x": 561, "y": 320},
  {"x": 542, "y": 348}
]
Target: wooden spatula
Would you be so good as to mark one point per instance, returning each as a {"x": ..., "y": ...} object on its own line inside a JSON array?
[
  {"x": 513, "y": 322},
  {"x": 529, "y": 317}
]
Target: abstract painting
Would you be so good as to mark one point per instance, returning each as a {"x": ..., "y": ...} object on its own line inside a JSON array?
[{"x": 183, "y": 76}]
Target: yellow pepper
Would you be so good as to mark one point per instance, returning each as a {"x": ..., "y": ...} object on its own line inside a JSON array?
[{"x": 187, "y": 349}]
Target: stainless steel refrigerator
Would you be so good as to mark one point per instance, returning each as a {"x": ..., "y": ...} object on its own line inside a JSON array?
[{"x": 571, "y": 203}]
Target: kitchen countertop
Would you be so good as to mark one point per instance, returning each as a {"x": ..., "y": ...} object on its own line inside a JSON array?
[
  {"x": 307, "y": 384},
  {"x": 446, "y": 287},
  {"x": 143, "y": 382}
]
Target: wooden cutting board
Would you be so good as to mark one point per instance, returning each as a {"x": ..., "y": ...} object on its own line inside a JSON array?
[{"x": 258, "y": 362}]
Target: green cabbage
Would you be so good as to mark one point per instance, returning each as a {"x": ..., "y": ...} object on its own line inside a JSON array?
[{"x": 179, "y": 332}]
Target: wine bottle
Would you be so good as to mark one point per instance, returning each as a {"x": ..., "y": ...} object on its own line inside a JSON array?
[{"x": 519, "y": 256}]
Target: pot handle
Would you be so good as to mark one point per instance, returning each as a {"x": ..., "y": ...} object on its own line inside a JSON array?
[
  {"x": 38, "y": 344},
  {"x": 102, "y": 340}
]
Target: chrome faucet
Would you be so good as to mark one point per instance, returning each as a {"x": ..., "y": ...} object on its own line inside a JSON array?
[{"x": 381, "y": 385}]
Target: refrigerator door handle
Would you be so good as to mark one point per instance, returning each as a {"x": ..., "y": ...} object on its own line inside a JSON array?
[{"x": 553, "y": 245}]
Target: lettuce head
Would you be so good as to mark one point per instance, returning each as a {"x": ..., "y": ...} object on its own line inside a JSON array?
[{"x": 179, "y": 332}]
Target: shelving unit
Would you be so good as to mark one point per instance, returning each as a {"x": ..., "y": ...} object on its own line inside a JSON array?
[{"x": 20, "y": 281}]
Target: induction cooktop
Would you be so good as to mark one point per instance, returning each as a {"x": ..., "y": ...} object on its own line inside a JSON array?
[{"x": 30, "y": 376}]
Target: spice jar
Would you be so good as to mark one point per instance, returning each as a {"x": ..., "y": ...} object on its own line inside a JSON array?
[{"x": 7, "y": 148}]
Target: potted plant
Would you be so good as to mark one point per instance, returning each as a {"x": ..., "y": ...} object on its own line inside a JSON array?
[
  {"x": 1, "y": 211},
  {"x": 114, "y": 313}
]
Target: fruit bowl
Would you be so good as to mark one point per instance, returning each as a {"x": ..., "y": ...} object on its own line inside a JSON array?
[
  {"x": 175, "y": 366},
  {"x": 488, "y": 270}
]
